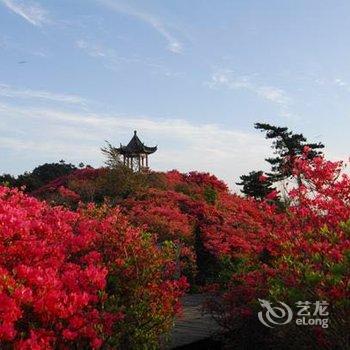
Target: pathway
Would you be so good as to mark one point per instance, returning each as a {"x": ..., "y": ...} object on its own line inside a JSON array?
[{"x": 192, "y": 326}]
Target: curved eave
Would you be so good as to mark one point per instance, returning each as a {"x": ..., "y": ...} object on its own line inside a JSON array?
[
  {"x": 134, "y": 152},
  {"x": 150, "y": 150}
]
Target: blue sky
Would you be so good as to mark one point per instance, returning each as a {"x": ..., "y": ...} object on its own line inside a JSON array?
[{"x": 190, "y": 76}]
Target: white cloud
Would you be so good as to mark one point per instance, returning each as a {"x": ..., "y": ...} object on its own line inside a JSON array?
[
  {"x": 91, "y": 50},
  {"x": 52, "y": 148},
  {"x": 109, "y": 57},
  {"x": 113, "y": 61},
  {"x": 273, "y": 94},
  {"x": 8, "y": 91},
  {"x": 30, "y": 11},
  {"x": 340, "y": 82},
  {"x": 331, "y": 82},
  {"x": 77, "y": 136},
  {"x": 228, "y": 79},
  {"x": 174, "y": 45}
]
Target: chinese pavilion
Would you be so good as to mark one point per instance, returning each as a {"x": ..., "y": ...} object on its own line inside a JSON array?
[{"x": 135, "y": 154}]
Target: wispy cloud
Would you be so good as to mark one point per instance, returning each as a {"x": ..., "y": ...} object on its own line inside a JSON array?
[
  {"x": 32, "y": 12},
  {"x": 174, "y": 45},
  {"x": 92, "y": 50},
  {"x": 273, "y": 94},
  {"x": 12, "y": 92},
  {"x": 340, "y": 82},
  {"x": 112, "y": 60},
  {"x": 331, "y": 84},
  {"x": 228, "y": 79}
]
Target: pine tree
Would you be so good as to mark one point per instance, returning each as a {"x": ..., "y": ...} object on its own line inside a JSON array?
[
  {"x": 287, "y": 146},
  {"x": 256, "y": 185}
]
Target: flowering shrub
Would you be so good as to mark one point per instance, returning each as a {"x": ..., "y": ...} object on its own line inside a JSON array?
[
  {"x": 161, "y": 203},
  {"x": 160, "y": 212},
  {"x": 140, "y": 280},
  {"x": 47, "y": 291},
  {"x": 302, "y": 254},
  {"x": 80, "y": 279},
  {"x": 78, "y": 185},
  {"x": 246, "y": 249}
]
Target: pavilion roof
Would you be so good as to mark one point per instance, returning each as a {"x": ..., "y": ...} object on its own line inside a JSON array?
[{"x": 135, "y": 146}]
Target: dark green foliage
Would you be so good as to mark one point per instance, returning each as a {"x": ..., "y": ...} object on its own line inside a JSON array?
[
  {"x": 8, "y": 180},
  {"x": 287, "y": 146},
  {"x": 50, "y": 171},
  {"x": 40, "y": 176},
  {"x": 210, "y": 195},
  {"x": 119, "y": 183},
  {"x": 184, "y": 188},
  {"x": 115, "y": 184},
  {"x": 207, "y": 264},
  {"x": 256, "y": 185}
]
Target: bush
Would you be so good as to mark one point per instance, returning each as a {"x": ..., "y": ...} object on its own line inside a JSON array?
[
  {"x": 165, "y": 204},
  {"x": 302, "y": 254},
  {"x": 81, "y": 279}
]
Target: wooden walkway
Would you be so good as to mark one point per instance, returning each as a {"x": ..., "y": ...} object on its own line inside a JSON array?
[{"x": 192, "y": 326}]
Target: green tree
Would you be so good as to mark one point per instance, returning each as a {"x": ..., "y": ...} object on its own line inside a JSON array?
[
  {"x": 50, "y": 171},
  {"x": 287, "y": 146},
  {"x": 256, "y": 185},
  {"x": 40, "y": 176}
]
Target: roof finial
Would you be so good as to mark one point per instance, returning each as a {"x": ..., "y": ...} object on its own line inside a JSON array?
[{"x": 135, "y": 132}]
